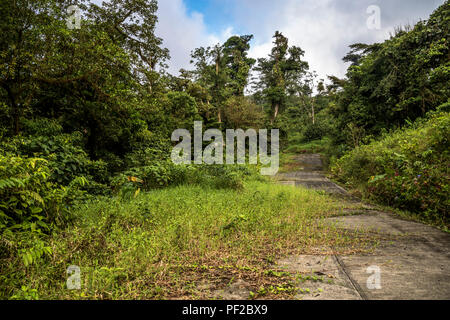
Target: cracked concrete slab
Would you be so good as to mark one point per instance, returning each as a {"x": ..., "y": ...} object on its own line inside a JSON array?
[{"x": 319, "y": 278}]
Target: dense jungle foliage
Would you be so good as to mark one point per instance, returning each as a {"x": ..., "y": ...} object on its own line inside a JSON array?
[{"x": 86, "y": 117}]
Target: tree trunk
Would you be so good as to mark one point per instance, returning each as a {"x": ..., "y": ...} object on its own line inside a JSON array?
[
  {"x": 275, "y": 112},
  {"x": 15, "y": 107}
]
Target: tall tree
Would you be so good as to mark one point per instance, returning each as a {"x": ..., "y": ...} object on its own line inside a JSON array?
[
  {"x": 89, "y": 78},
  {"x": 237, "y": 63},
  {"x": 210, "y": 74},
  {"x": 280, "y": 73},
  {"x": 399, "y": 79},
  {"x": 223, "y": 70},
  {"x": 132, "y": 23}
]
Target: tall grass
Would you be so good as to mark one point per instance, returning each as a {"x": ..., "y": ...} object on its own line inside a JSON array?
[{"x": 155, "y": 245}]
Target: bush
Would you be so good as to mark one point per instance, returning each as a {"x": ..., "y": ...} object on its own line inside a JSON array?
[
  {"x": 240, "y": 112},
  {"x": 28, "y": 200},
  {"x": 165, "y": 173},
  {"x": 65, "y": 158},
  {"x": 314, "y": 131},
  {"x": 41, "y": 127},
  {"x": 221, "y": 176},
  {"x": 408, "y": 169}
]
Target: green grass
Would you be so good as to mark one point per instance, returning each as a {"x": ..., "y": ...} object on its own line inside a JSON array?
[
  {"x": 315, "y": 146},
  {"x": 164, "y": 243}
]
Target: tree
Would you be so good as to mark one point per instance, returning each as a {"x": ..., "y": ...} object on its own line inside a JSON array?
[
  {"x": 310, "y": 86},
  {"x": 223, "y": 70},
  {"x": 280, "y": 74},
  {"x": 241, "y": 113},
  {"x": 92, "y": 79},
  {"x": 22, "y": 22},
  {"x": 132, "y": 23},
  {"x": 236, "y": 62},
  {"x": 395, "y": 81}
]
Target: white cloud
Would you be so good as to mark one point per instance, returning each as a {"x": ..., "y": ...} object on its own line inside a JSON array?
[
  {"x": 183, "y": 32},
  {"x": 320, "y": 30},
  {"x": 325, "y": 28}
]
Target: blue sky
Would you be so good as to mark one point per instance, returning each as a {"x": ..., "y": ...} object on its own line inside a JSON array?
[
  {"x": 323, "y": 28},
  {"x": 216, "y": 14}
]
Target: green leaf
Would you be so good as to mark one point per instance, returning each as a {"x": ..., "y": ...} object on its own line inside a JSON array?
[{"x": 35, "y": 210}]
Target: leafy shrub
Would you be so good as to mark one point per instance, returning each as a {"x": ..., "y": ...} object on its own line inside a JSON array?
[
  {"x": 28, "y": 199},
  {"x": 240, "y": 112},
  {"x": 155, "y": 175},
  {"x": 65, "y": 158},
  {"x": 221, "y": 176},
  {"x": 165, "y": 173},
  {"x": 408, "y": 168},
  {"x": 314, "y": 131},
  {"x": 41, "y": 127}
]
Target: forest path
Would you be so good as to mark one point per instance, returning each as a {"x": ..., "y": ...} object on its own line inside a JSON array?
[{"x": 416, "y": 265}]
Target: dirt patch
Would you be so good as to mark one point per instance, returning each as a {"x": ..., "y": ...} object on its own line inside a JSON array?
[{"x": 238, "y": 290}]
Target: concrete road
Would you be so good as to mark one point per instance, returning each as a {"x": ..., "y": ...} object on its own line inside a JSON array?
[{"x": 416, "y": 265}]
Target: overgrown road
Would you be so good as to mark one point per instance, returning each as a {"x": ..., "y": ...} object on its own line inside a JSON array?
[{"x": 415, "y": 265}]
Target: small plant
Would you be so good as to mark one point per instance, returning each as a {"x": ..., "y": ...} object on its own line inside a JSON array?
[{"x": 25, "y": 293}]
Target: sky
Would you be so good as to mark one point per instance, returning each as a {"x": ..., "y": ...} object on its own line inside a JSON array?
[{"x": 322, "y": 28}]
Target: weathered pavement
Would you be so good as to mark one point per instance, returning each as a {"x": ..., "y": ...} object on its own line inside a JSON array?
[{"x": 416, "y": 265}]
